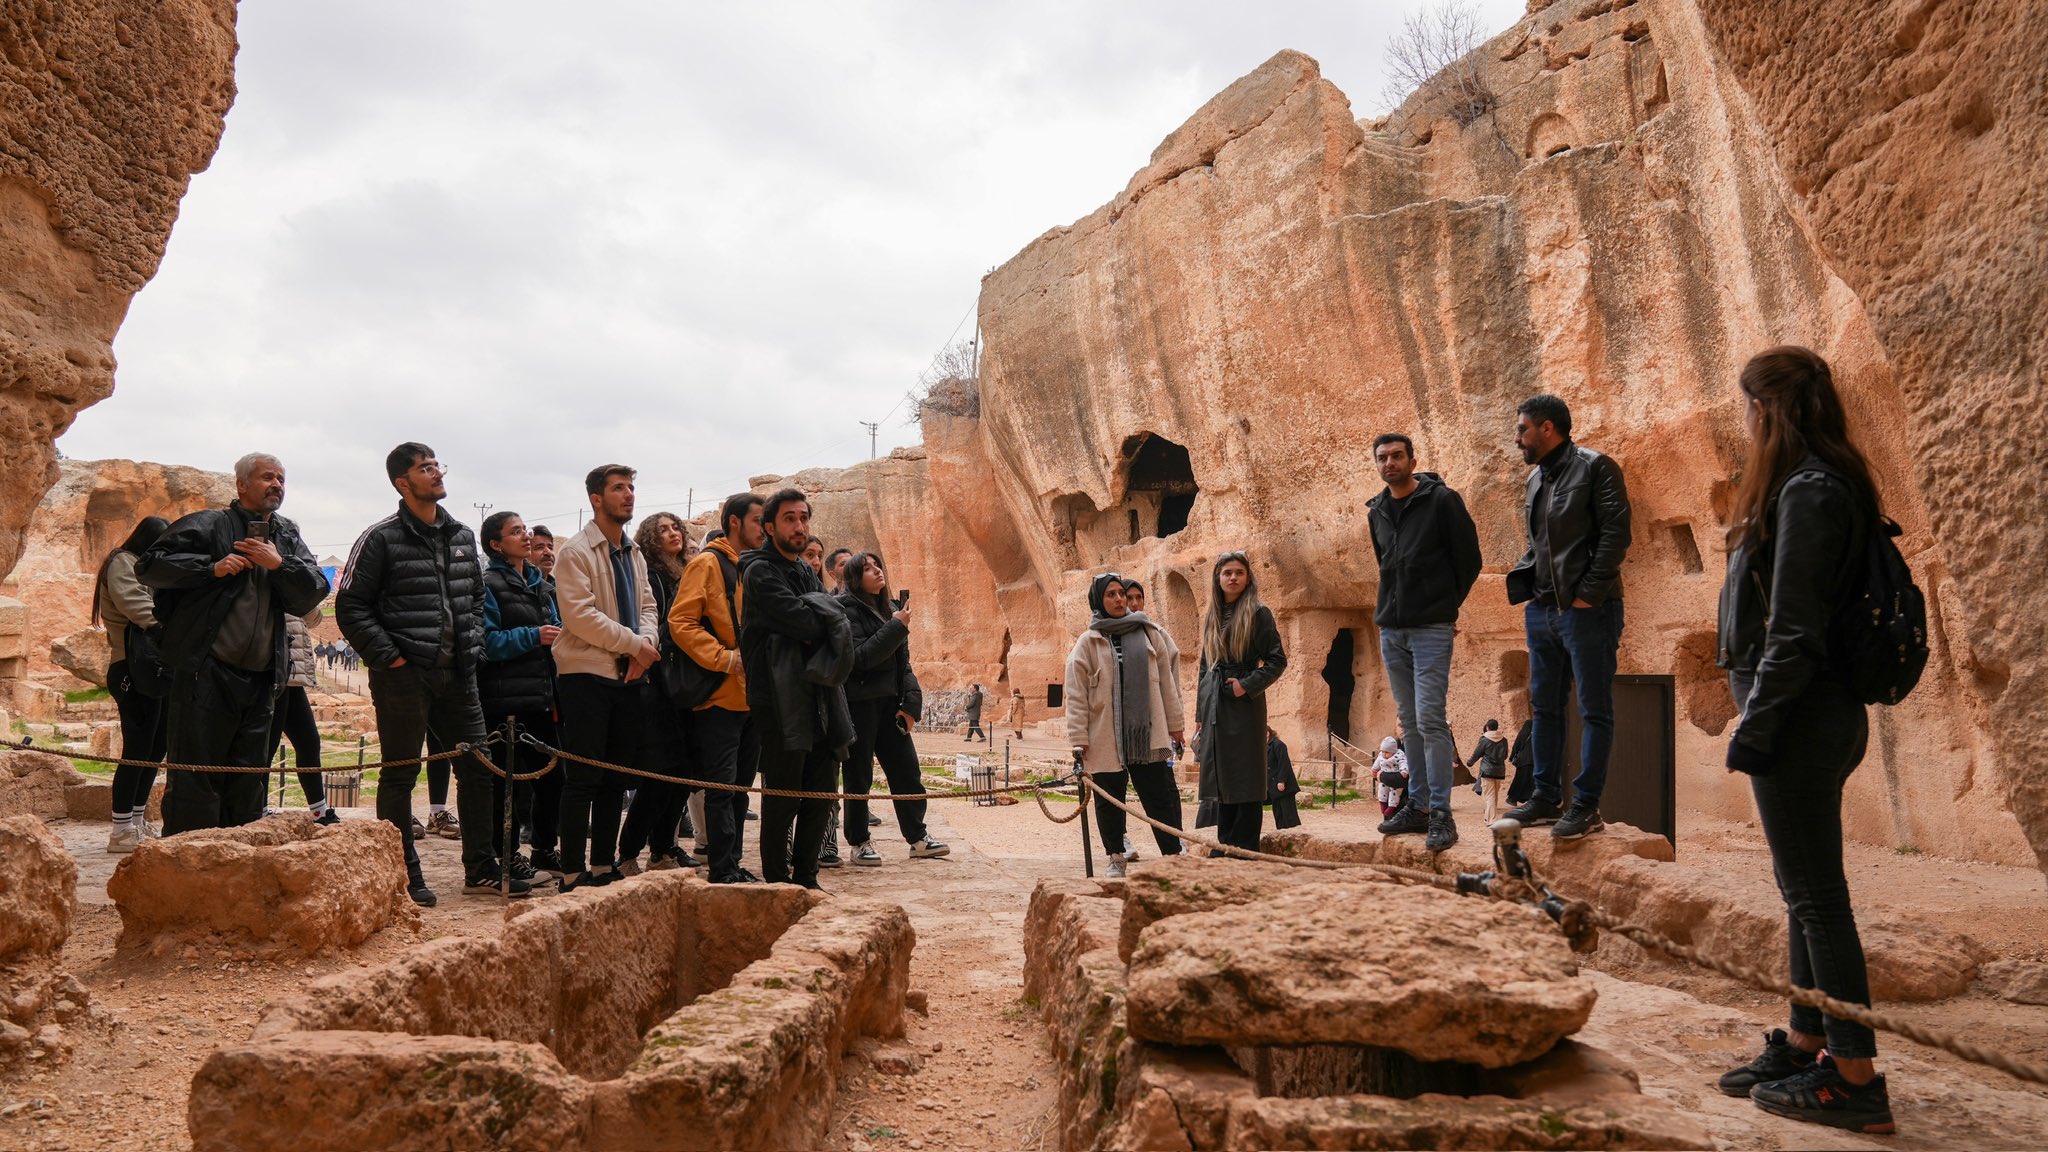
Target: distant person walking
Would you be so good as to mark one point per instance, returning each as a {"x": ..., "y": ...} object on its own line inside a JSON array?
[
  {"x": 1802, "y": 520},
  {"x": 1428, "y": 553},
  {"x": 225, "y": 579},
  {"x": 1124, "y": 716},
  {"x": 973, "y": 707},
  {"x": 1490, "y": 758},
  {"x": 1283, "y": 790},
  {"x": 1576, "y": 510},
  {"x": 294, "y": 716},
  {"x": 605, "y": 650},
  {"x": 704, "y": 622},
  {"x": 1013, "y": 716},
  {"x": 1241, "y": 657},
  {"x": 412, "y": 602},
  {"x": 886, "y": 701},
  {"x": 516, "y": 682},
  {"x": 125, "y": 608},
  {"x": 1520, "y": 754}
]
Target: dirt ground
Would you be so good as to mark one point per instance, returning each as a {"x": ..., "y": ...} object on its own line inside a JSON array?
[{"x": 987, "y": 1080}]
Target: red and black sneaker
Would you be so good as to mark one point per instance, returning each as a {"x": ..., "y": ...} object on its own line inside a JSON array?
[
  {"x": 1779, "y": 1059},
  {"x": 1819, "y": 1095}
]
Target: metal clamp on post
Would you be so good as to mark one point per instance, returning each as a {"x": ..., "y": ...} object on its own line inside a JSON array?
[{"x": 1515, "y": 878}]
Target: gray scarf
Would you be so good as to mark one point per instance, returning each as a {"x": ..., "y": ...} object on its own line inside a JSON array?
[{"x": 1131, "y": 703}]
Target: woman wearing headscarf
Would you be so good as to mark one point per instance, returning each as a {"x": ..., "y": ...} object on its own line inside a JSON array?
[
  {"x": 1124, "y": 714},
  {"x": 1241, "y": 657}
]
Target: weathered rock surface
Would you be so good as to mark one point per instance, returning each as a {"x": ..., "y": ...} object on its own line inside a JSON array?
[
  {"x": 1176, "y": 885},
  {"x": 1343, "y": 963},
  {"x": 1455, "y": 1122},
  {"x": 111, "y": 106},
  {"x": 283, "y": 886},
  {"x": 38, "y": 889},
  {"x": 84, "y": 653},
  {"x": 2020, "y": 981}
]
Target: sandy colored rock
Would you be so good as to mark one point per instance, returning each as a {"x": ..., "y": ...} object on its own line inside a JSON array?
[
  {"x": 2020, "y": 981},
  {"x": 84, "y": 654},
  {"x": 1437, "y": 976},
  {"x": 282, "y": 886},
  {"x": 38, "y": 889},
  {"x": 1176, "y": 885},
  {"x": 1065, "y": 920},
  {"x": 387, "y": 1091},
  {"x": 34, "y": 784},
  {"x": 1454, "y": 1122},
  {"x": 112, "y": 106}
]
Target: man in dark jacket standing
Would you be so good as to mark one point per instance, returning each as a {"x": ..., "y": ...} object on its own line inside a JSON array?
[
  {"x": 1428, "y": 552},
  {"x": 1577, "y": 513},
  {"x": 787, "y": 707},
  {"x": 412, "y": 603},
  {"x": 225, "y": 578}
]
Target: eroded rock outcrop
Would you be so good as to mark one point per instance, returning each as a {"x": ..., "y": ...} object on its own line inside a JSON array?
[
  {"x": 111, "y": 106},
  {"x": 38, "y": 902}
]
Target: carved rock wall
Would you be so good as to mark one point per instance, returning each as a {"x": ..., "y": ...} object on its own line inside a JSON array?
[
  {"x": 107, "y": 108},
  {"x": 1281, "y": 282}
]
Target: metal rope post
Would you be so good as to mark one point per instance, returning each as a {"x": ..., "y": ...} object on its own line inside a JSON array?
[
  {"x": 511, "y": 834},
  {"x": 1081, "y": 798}
]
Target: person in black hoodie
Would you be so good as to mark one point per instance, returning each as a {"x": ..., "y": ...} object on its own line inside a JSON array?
[
  {"x": 886, "y": 702},
  {"x": 224, "y": 580},
  {"x": 1802, "y": 519},
  {"x": 1428, "y": 552},
  {"x": 412, "y": 602},
  {"x": 777, "y": 624}
]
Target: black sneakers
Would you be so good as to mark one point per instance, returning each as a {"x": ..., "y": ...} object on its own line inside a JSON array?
[
  {"x": 547, "y": 863},
  {"x": 422, "y": 895},
  {"x": 1536, "y": 811},
  {"x": 1819, "y": 1095},
  {"x": 485, "y": 883},
  {"x": 1443, "y": 832},
  {"x": 1780, "y": 1058},
  {"x": 1581, "y": 819},
  {"x": 1406, "y": 818}
]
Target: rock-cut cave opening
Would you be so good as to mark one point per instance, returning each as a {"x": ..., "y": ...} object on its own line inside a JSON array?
[{"x": 1162, "y": 468}]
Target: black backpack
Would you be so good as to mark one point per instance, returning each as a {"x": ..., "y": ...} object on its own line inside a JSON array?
[{"x": 1879, "y": 637}]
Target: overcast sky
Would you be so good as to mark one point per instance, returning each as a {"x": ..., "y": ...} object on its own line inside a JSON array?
[{"x": 701, "y": 239}]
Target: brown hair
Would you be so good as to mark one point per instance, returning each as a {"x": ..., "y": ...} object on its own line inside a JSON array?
[
  {"x": 1798, "y": 414},
  {"x": 1230, "y": 645},
  {"x": 643, "y": 539}
]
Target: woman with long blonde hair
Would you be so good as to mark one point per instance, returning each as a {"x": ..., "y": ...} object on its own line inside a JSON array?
[
  {"x": 1241, "y": 657},
  {"x": 658, "y": 806}
]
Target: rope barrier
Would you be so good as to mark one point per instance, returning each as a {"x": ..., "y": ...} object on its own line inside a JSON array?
[{"x": 25, "y": 744}]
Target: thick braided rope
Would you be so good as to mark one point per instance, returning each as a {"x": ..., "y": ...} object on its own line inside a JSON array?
[
  {"x": 1069, "y": 818},
  {"x": 721, "y": 786},
  {"x": 25, "y": 745}
]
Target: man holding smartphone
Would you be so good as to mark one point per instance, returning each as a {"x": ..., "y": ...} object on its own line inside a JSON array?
[{"x": 224, "y": 580}]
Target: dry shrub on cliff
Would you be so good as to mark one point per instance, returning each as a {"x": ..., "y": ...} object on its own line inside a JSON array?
[
  {"x": 1435, "y": 54},
  {"x": 950, "y": 386}
]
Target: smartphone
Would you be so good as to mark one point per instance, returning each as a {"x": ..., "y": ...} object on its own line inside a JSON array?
[
  {"x": 259, "y": 530},
  {"x": 902, "y": 727},
  {"x": 903, "y": 600}
]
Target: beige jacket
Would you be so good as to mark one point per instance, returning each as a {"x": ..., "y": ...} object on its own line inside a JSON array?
[
  {"x": 592, "y": 638},
  {"x": 124, "y": 601},
  {"x": 1091, "y": 688}
]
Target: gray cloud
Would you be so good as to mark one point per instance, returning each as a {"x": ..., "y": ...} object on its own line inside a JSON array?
[{"x": 701, "y": 239}]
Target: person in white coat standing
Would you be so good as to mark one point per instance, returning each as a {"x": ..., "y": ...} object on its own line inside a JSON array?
[{"x": 1124, "y": 714}]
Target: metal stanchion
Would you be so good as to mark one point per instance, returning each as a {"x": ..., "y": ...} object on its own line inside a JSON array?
[
  {"x": 1081, "y": 798},
  {"x": 511, "y": 834}
]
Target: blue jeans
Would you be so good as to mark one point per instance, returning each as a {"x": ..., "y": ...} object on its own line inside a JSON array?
[
  {"x": 1567, "y": 646},
  {"x": 1418, "y": 662}
]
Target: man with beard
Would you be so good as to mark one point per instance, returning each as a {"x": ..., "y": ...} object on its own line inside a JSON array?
[
  {"x": 1428, "y": 553},
  {"x": 601, "y": 661},
  {"x": 412, "y": 602},
  {"x": 225, "y": 578},
  {"x": 777, "y": 623},
  {"x": 1577, "y": 515}
]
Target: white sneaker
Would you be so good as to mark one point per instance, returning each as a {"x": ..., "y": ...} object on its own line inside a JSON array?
[
  {"x": 1130, "y": 850},
  {"x": 1116, "y": 865},
  {"x": 927, "y": 849},
  {"x": 123, "y": 839},
  {"x": 149, "y": 831}
]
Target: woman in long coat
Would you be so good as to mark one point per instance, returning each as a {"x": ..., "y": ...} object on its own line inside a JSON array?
[{"x": 1241, "y": 657}]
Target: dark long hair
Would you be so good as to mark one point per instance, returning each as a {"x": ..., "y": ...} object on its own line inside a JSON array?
[
  {"x": 144, "y": 534},
  {"x": 1799, "y": 413},
  {"x": 1231, "y": 645},
  {"x": 855, "y": 572},
  {"x": 650, "y": 550}
]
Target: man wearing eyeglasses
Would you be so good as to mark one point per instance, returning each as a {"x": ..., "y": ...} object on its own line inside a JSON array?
[{"x": 411, "y": 602}]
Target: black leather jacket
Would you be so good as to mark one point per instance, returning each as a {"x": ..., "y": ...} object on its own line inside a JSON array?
[
  {"x": 403, "y": 583},
  {"x": 1777, "y": 606},
  {"x": 1588, "y": 527},
  {"x": 191, "y": 601}
]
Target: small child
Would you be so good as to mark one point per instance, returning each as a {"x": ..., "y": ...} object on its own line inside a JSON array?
[{"x": 1389, "y": 763}]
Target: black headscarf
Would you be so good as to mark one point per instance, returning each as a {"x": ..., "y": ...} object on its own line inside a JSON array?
[{"x": 1131, "y": 704}]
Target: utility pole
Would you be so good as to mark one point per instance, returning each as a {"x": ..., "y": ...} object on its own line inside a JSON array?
[
  {"x": 871, "y": 426},
  {"x": 690, "y": 505},
  {"x": 482, "y": 510}
]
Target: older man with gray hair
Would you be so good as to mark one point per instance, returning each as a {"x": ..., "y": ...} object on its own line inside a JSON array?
[{"x": 225, "y": 579}]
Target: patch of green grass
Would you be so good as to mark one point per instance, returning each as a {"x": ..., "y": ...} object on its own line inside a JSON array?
[
  {"x": 880, "y": 1132},
  {"x": 1907, "y": 850},
  {"x": 1553, "y": 1125},
  {"x": 86, "y": 694},
  {"x": 1317, "y": 799}
]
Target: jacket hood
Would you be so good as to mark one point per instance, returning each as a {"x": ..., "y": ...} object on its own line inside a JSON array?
[
  {"x": 723, "y": 543},
  {"x": 1424, "y": 481},
  {"x": 766, "y": 555}
]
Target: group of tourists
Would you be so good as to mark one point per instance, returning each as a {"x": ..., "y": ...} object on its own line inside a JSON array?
[{"x": 764, "y": 655}]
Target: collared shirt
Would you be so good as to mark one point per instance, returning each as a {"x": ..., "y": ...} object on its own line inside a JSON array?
[{"x": 623, "y": 587}]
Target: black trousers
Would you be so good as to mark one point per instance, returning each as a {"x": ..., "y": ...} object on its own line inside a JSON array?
[
  {"x": 657, "y": 808},
  {"x": 1238, "y": 825},
  {"x": 1799, "y": 804},
  {"x": 217, "y": 715},
  {"x": 876, "y": 737},
  {"x": 601, "y": 720},
  {"x": 411, "y": 703},
  {"x": 539, "y": 801},
  {"x": 294, "y": 718},
  {"x": 812, "y": 771},
  {"x": 724, "y": 752},
  {"x": 142, "y": 738},
  {"x": 1156, "y": 791}
]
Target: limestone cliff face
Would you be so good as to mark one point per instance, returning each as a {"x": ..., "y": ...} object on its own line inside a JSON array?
[
  {"x": 1200, "y": 364},
  {"x": 107, "y": 108},
  {"x": 92, "y": 508}
]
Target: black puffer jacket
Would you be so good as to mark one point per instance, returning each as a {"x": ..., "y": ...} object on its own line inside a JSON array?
[
  {"x": 1587, "y": 524},
  {"x": 783, "y": 702},
  {"x": 881, "y": 658},
  {"x": 1428, "y": 552},
  {"x": 191, "y": 601},
  {"x": 518, "y": 671},
  {"x": 1777, "y": 606},
  {"x": 406, "y": 582}
]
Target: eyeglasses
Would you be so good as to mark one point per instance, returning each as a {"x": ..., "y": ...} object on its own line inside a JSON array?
[{"x": 430, "y": 468}]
